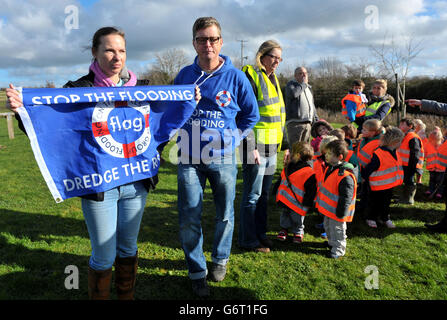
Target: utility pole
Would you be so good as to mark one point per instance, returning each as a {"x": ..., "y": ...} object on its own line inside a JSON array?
[{"x": 242, "y": 52}]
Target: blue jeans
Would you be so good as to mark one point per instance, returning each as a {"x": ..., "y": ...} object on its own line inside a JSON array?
[
  {"x": 114, "y": 224},
  {"x": 191, "y": 184},
  {"x": 253, "y": 215}
]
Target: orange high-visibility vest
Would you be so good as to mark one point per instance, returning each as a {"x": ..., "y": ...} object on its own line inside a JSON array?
[
  {"x": 327, "y": 196},
  {"x": 432, "y": 158},
  {"x": 286, "y": 193},
  {"x": 360, "y": 106},
  {"x": 442, "y": 155},
  {"x": 404, "y": 150},
  {"x": 389, "y": 174},
  {"x": 319, "y": 166},
  {"x": 364, "y": 153},
  {"x": 349, "y": 156}
]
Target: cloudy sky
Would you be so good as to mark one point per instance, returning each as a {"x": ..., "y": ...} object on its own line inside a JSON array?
[{"x": 45, "y": 40}]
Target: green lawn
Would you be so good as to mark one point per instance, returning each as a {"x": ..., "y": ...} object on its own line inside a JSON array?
[
  {"x": 2, "y": 101},
  {"x": 39, "y": 239}
]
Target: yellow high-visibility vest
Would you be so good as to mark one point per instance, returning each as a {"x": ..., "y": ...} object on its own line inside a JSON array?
[
  {"x": 270, "y": 127},
  {"x": 373, "y": 107}
]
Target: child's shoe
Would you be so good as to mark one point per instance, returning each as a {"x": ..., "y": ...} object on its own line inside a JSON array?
[
  {"x": 334, "y": 256},
  {"x": 438, "y": 196},
  {"x": 371, "y": 223},
  {"x": 389, "y": 224},
  {"x": 427, "y": 193},
  {"x": 282, "y": 235},
  {"x": 298, "y": 238}
]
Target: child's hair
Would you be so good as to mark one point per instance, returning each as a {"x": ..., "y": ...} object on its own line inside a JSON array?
[
  {"x": 339, "y": 133},
  {"x": 358, "y": 82},
  {"x": 303, "y": 149},
  {"x": 409, "y": 122},
  {"x": 419, "y": 123},
  {"x": 382, "y": 82},
  {"x": 338, "y": 147},
  {"x": 317, "y": 124},
  {"x": 350, "y": 131},
  {"x": 444, "y": 129},
  {"x": 373, "y": 125},
  {"x": 392, "y": 135},
  {"x": 436, "y": 134},
  {"x": 325, "y": 141}
]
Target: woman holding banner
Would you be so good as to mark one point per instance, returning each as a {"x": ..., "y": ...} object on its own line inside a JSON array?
[{"x": 112, "y": 217}]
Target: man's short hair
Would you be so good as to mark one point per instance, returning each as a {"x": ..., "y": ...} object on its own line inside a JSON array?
[
  {"x": 298, "y": 69},
  {"x": 205, "y": 22}
]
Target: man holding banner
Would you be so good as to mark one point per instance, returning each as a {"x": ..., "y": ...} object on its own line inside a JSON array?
[
  {"x": 207, "y": 145},
  {"x": 97, "y": 138}
]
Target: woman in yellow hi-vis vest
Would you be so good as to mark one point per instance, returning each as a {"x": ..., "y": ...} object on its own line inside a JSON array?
[
  {"x": 379, "y": 103},
  {"x": 259, "y": 149}
]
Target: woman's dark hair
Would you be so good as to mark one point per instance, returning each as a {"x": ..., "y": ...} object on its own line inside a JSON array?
[{"x": 105, "y": 31}]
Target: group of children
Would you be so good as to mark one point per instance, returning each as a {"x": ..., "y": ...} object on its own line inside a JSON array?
[{"x": 327, "y": 174}]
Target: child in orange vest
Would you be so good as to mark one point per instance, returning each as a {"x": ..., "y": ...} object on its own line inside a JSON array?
[
  {"x": 354, "y": 103},
  {"x": 350, "y": 136},
  {"x": 383, "y": 173},
  {"x": 351, "y": 157},
  {"x": 296, "y": 192},
  {"x": 411, "y": 152},
  {"x": 319, "y": 166},
  {"x": 336, "y": 197},
  {"x": 370, "y": 141},
  {"x": 433, "y": 164}
]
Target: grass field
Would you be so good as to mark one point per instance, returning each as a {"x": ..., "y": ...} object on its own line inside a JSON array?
[
  {"x": 39, "y": 239},
  {"x": 2, "y": 101}
]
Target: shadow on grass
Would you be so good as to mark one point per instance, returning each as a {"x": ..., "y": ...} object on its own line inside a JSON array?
[{"x": 155, "y": 287}]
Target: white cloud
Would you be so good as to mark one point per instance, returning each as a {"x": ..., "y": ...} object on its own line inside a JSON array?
[{"x": 33, "y": 35}]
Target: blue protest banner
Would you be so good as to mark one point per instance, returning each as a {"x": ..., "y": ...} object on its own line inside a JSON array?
[{"x": 89, "y": 140}]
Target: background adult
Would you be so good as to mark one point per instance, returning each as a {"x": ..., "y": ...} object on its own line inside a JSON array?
[
  {"x": 260, "y": 152},
  {"x": 207, "y": 151},
  {"x": 379, "y": 103},
  {"x": 112, "y": 217},
  {"x": 438, "y": 108},
  {"x": 300, "y": 108}
]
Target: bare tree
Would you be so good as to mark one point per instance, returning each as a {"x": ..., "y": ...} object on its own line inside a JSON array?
[
  {"x": 359, "y": 68},
  {"x": 330, "y": 67},
  {"x": 166, "y": 67},
  {"x": 394, "y": 60}
]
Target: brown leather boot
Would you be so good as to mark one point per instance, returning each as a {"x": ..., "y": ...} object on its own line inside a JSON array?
[
  {"x": 99, "y": 284},
  {"x": 125, "y": 277}
]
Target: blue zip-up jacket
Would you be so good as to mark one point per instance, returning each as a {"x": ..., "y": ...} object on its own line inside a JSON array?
[{"x": 212, "y": 131}]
